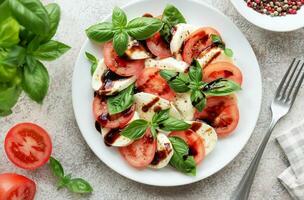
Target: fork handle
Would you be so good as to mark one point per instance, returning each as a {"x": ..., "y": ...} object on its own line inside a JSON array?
[{"x": 243, "y": 188}]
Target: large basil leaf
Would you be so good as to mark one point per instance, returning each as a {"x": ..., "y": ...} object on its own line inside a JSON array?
[
  {"x": 142, "y": 28},
  {"x": 101, "y": 32},
  {"x": 53, "y": 11},
  {"x": 13, "y": 57},
  {"x": 36, "y": 83},
  {"x": 4, "y": 113},
  {"x": 221, "y": 87},
  {"x": 119, "y": 18},
  {"x": 179, "y": 82},
  {"x": 9, "y": 33},
  {"x": 5, "y": 11},
  {"x": 9, "y": 95},
  {"x": 122, "y": 101},
  {"x": 180, "y": 159},
  {"x": 160, "y": 116},
  {"x": 120, "y": 42},
  {"x": 7, "y": 74},
  {"x": 50, "y": 50},
  {"x": 172, "y": 124},
  {"x": 135, "y": 129},
  {"x": 31, "y": 14}
]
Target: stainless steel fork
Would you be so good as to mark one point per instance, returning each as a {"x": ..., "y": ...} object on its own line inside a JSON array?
[{"x": 280, "y": 106}]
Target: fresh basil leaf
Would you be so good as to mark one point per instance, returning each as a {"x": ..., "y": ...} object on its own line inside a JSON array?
[
  {"x": 56, "y": 168},
  {"x": 4, "y": 113},
  {"x": 101, "y": 32},
  {"x": 120, "y": 42},
  {"x": 198, "y": 99},
  {"x": 13, "y": 57},
  {"x": 228, "y": 52},
  {"x": 180, "y": 159},
  {"x": 179, "y": 82},
  {"x": 119, "y": 18},
  {"x": 165, "y": 32},
  {"x": 63, "y": 181},
  {"x": 36, "y": 83},
  {"x": 142, "y": 28},
  {"x": 93, "y": 60},
  {"x": 31, "y": 14},
  {"x": 153, "y": 131},
  {"x": 7, "y": 74},
  {"x": 78, "y": 185},
  {"x": 34, "y": 44},
  {"x": 195, "y": 72},
  {"x": 168, "y": 74},
  {"x": 136, "y": 129},
  {"x": 53, "y": 11},
  {"x": 217, "y": 40},
  {"x": 160, "y": 116},
  {"x": 122, "y": 101},
  {"x": 221, "y": 87},
  {"x": 9, "y": 95},
  {"x": 31, "y": 63},
  {"x": 9, "y": 33},
  {"x": 5, "y": 11},
  {"x": 50, "y": 50},
  {"x": 172, "y": 124},
  {"x": 26, "y": 36}
]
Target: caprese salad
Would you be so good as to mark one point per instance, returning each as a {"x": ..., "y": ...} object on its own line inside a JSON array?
[{"x": 163, "y": 89}]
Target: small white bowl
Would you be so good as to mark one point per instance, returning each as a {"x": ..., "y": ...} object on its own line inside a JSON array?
[{"x": 278, "y": 24}]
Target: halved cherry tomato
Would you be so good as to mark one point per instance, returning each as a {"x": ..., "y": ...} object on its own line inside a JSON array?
[
  {"x": 140, "y": 153},
  {"x": 15, "y": 186},
  {"x": 222, "y": 70},
  {"x": 196, "y": 42},
  {"x": 158, "y": 46},
  {"x": 221, "y": 113},
  {"x": 102, "y": 115},
  {"x": 195, "y": 143},
  {"x": 28, "y": 145},
  {"x": 120, "y": 65},
  {"x": 150, "y": 81}
]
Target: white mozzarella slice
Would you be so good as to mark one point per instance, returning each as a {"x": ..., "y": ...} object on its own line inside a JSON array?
[
  {"x": 207, "y": 133},
  {"x": 119, "y": 85},
  {"x": 164, "y": 152},
  {"x": 167, "y": 63},
  {"x": 148, "y": 104},
  {"x": 98, "y": 73},
  {"x": 212, "y": 55},
  {"x": 121, "y": 140},
  {"x": 182, "y": 103},
  {"x": 181, "y": 33},
  {"x": 136, "y": 51}
]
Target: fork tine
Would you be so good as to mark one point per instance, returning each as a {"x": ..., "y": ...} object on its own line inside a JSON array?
[
  {"x": 286, "y": 87},
  {"x": 297, "y": 87},
  {"x": 294, "y": 82},
  {"x": 284, "y": 78}
]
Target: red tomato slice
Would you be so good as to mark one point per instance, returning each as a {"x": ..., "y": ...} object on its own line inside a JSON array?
[
  {"x": 120, "y": 65},
  {"x": 150, "y": 81},
  {"x": 14, "y": 186},
  {"x": 158, "y": 46},
  {"x": 196, "y": 42},
  {"x": 101, "y": 114},
  {"x": 140, "y": 153},
  {"x": 28, "y": 145},
  {"x": 195, "y": 143},
  {"x": 221, "y": 113},
  {"x": 222, "y": 70}
]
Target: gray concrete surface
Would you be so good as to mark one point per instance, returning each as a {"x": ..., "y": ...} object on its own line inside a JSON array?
[{"x": 274, "y": 52}]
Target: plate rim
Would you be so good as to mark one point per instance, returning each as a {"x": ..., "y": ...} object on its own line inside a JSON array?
[{"x": 126, "y": 175}]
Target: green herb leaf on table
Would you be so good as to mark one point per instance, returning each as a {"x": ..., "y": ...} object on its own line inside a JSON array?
[
  {"x": 221, "y": 87},
  {"x": 53, "y": 11},
  {"x": 56, "y": 168},
  {"x": 136, "y": 129},
  {"x": 50, "y": 50},
  {"x": 93, "y": 60},
  {"x": 4, "y": 113},
  {"x": 122, "y": 101},
  {"x": 9, "y": 94},
  {"x": 79, "y": 185},
  {"x": 181, "y": 159},
  {"x": 101, "y": 32},
  {"x": 142, "y": 28},
  {"x": 172, "y": 124},
  {"x": 7, "y": 74},
  {"x": 9, "y": 33},
  {"x": 31, "y": 14},
  {"x": 120, "y": 42},
  {"x": 36, "y": 82},
  {"x": 170, "y": 17},
  {"x": 198, "y": 99},
  {"x": 119, "y": 18}
]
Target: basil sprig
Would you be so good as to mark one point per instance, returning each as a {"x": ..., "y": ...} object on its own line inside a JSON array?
[
  {"x": 199, "y": 90},
  {"x": 216, "y": 39},
  {"x": 181, "y": 159},
  {"x": 122, "y": 101},
  {"x": 120, "y": 30},
  {"x": 161, "y": 120},
  {"x": 93, "y": 60},
  {"x": 76, "y": 185},
  {"x": 26, "y": 29},
  {"x": 170, "y": 17}
]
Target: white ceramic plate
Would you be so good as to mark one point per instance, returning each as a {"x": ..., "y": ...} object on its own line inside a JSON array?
[
  {"x": 278, "y": 24},
  {"x": 199, "y": 14}
]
